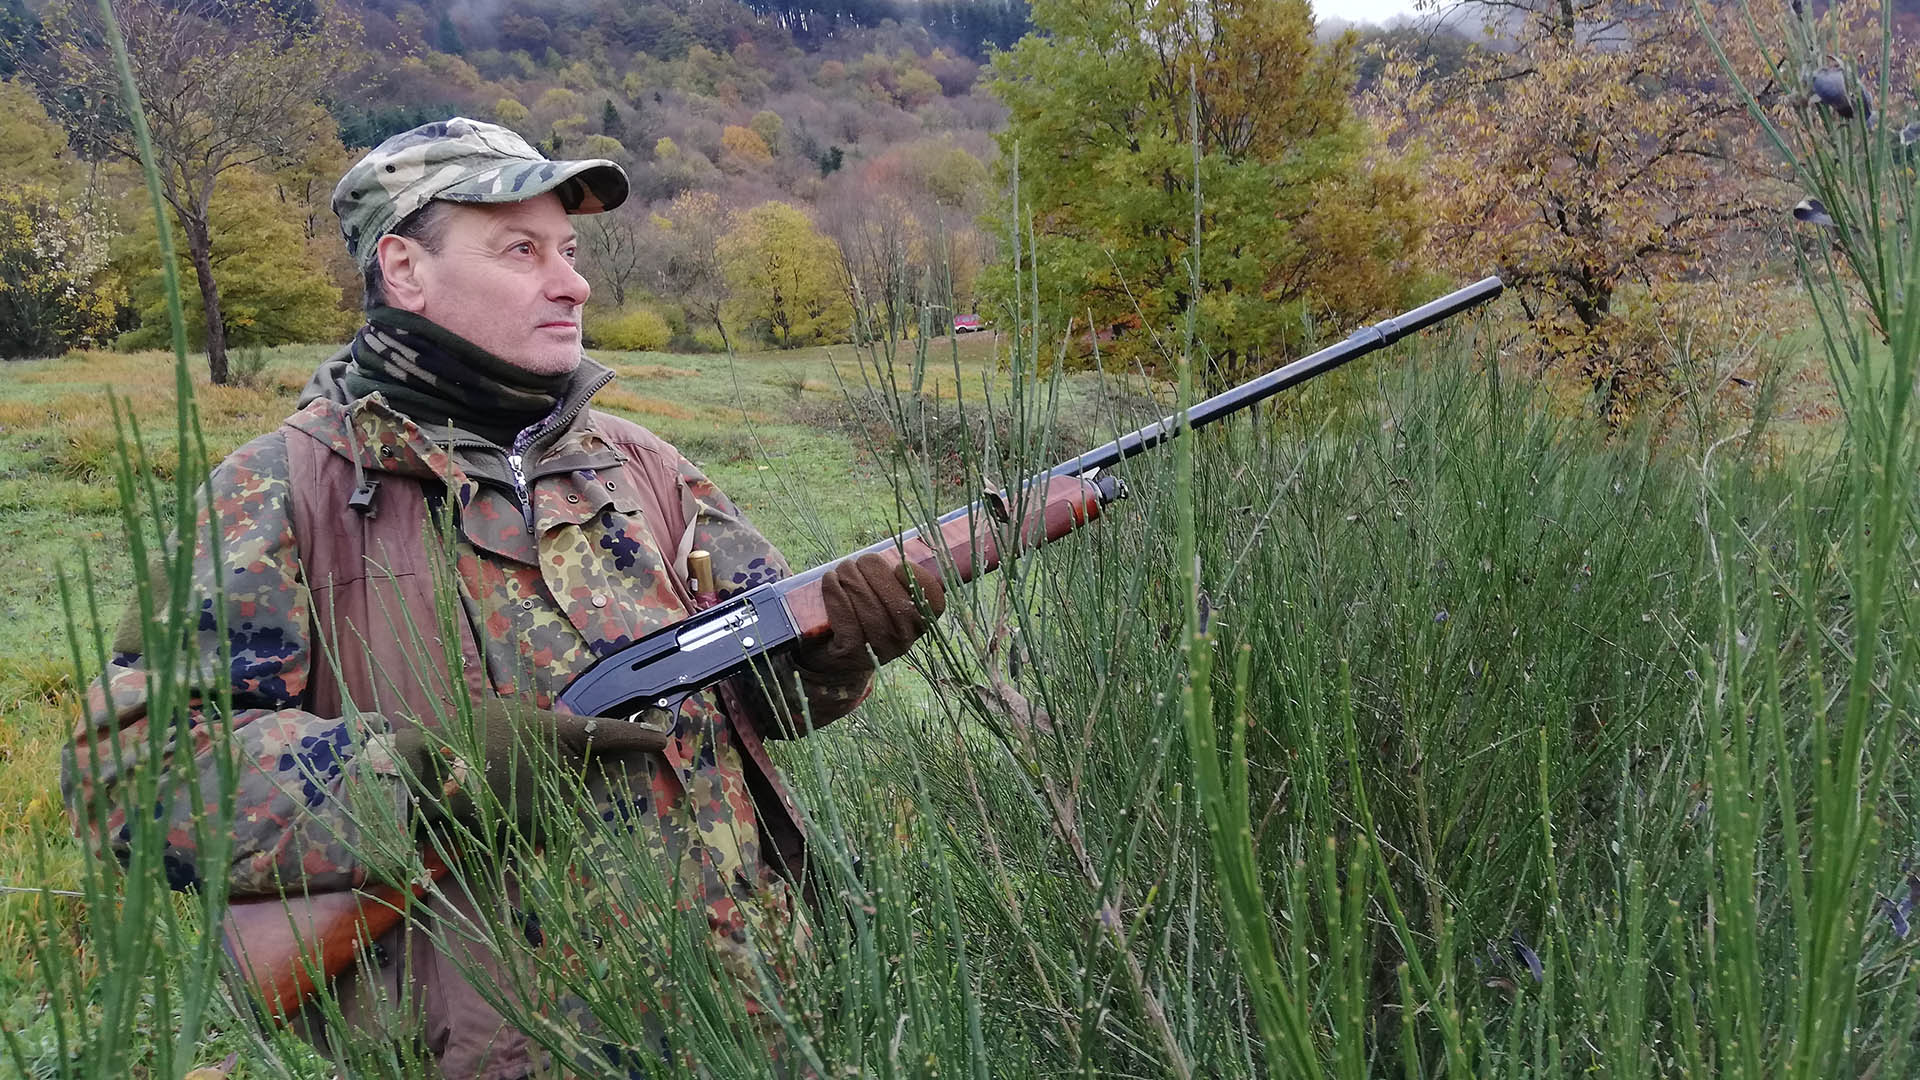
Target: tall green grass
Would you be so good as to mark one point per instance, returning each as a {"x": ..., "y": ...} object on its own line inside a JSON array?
[{"x": 1428, "y": 733}]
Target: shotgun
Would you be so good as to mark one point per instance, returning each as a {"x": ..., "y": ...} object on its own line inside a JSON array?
[
  {"x": 286, "y": 948},
  {"x": 660, "y": 670}
]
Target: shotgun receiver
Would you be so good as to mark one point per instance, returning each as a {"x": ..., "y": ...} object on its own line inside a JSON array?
[{"x": 287, "y": 949}]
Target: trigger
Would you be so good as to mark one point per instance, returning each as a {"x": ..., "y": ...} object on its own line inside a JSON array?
[{"x": 670, "y": 706}]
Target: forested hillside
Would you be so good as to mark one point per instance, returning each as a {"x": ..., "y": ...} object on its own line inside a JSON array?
[{"x": 866, "y": 116}]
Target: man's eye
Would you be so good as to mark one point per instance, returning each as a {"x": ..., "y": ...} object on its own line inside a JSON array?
[
  {"x": 523, "y": 248},
  {"x": 572, "y": 254}
]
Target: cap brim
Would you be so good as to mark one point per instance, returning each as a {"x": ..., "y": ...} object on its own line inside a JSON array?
[{"x": 591, "y": 186}]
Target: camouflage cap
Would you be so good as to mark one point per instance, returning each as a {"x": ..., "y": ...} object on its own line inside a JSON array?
[{"x": 461, "y": 160}]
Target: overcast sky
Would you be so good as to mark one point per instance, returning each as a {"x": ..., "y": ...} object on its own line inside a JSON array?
[{"x": 1373, "y": 11}]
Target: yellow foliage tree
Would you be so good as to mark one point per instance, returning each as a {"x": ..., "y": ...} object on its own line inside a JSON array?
[
  {"x": 684, "y": 241},
  {"x": 915, "y": 87},
  {"x": 639, "y": 329},
  {"x": 767, "y": 124},
  {"x": 558, "y": 100},
  {"x": 230, "y": 85},
  {"x": 33, "y": 149},
  {"x": 276, "y": 291},
  {"x": 1304, "y": 229},
  {"x": 784, "y": 278},
  {"x": 742, "y": 149},
  {"x": 604, "y": 146},
  {"x": 510, "y": 113}
]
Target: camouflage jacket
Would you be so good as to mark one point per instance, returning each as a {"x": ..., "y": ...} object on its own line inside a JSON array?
[{"x": 553, "y": 571}]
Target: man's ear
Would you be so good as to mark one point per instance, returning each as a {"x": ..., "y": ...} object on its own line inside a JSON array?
[{"x": 402, "y": 272}]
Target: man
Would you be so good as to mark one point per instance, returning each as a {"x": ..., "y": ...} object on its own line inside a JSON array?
[{"x": 463, "y": 405}]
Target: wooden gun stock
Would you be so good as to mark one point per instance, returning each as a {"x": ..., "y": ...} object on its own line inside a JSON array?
[{"x": 286, "y": 949}]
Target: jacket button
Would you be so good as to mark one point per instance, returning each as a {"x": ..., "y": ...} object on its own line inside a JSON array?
[
  {"x": 610, "y": 486},
  {"x": 573, "y": 498},
  {"x": 386, "y": 451},
  {"x": 527, "y": 603},
  {"x": 599, "y": 601}
]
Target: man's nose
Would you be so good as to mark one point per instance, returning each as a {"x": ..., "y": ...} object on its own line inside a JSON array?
[{"x": 566, "y": 284}]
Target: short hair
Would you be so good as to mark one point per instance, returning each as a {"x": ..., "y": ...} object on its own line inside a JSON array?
[{"x": 426, "y": 226}]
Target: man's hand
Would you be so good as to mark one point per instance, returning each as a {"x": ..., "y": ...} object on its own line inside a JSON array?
[
  {"x": 515, "y": 743},
  {"x": 871, "y": 610}
]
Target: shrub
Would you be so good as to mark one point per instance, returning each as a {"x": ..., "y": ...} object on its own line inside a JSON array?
[
  {"x": 637, "y": 329},
  {"x": 53, "y": 292}
]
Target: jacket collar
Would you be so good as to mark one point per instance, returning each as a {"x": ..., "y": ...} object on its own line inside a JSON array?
[
  {"x": 390, "y": 441},
  {"x": 572, "y": 460}
]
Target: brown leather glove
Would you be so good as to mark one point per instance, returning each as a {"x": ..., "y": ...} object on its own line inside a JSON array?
[
  {"x": 517, "y": 743},
  {"x": 870, "y": 606}
]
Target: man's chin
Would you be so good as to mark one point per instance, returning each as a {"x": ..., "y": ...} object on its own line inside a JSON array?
[{"x": 548, "y": 361}]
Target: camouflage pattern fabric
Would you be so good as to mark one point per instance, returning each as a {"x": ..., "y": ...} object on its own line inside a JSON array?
[
  {"x": 586, "y": 578},
  {"x": 461, "y": 160}
]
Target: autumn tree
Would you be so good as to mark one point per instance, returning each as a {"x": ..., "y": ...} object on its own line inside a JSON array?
[
  {"x": 885, "y": 253},
  {"x": 742, "y": 150},
  {"x": 226, "y": 84},
  {"x": 1303, "y": 222},
  {"x": 275, "y": 291},
  {"x": 33, "y": 149},
  {"x": 784, "y": 278},
  {"x": 1597, "y": 148},
  {"x": 771, "y": 129},
  {"x": 683, "y": 246},
  {"x": 904, "y": 224},
  {"x": 613, "y": 252},
  {"x": 20, "y": 28},
  {"x": 304, "y": 187},
  {"x": 508, "y": 112}
]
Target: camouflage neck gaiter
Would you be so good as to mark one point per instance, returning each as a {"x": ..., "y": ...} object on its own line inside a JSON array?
[{"x": 435, "y": 376}]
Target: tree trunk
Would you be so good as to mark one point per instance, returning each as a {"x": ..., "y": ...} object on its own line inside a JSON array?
[{"x": 200, "y": 250}]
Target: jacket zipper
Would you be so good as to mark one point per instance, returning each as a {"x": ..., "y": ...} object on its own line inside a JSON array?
[
  {"x": 520, "y": 485},
  {"x": 516, "y": 460}
]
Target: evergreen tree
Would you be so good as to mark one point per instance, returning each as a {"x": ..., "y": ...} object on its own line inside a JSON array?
[{"x": 446, "y": 36}]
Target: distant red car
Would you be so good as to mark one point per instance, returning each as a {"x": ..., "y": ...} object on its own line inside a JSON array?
[{"x": 968, "y": 324}]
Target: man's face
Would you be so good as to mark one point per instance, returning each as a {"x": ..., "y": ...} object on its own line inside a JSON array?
[{"x": 504, "y": 280}]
